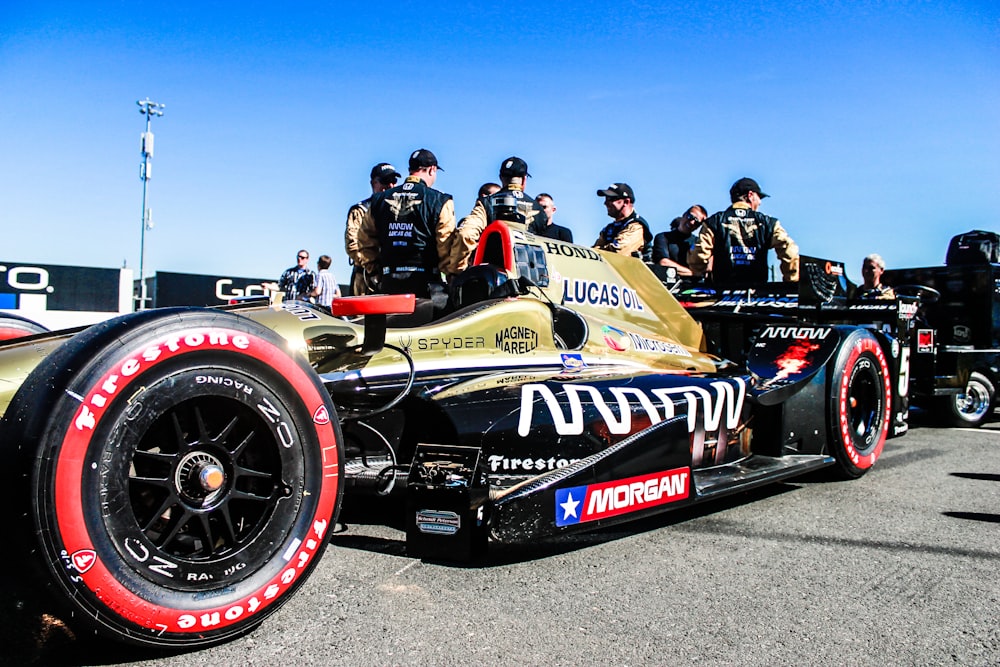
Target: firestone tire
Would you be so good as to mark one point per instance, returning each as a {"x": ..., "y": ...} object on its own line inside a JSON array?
[
  {"x": 15, "y": 326},
  {"x": 183, "y": 471},
  {"x": 972, "y": 407},
  {"x": 860, "y": 404}
]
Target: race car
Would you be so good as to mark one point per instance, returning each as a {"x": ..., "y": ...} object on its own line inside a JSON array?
[
  {"x": 175, "y": 475},
  {"x": 15, "y": 326}
]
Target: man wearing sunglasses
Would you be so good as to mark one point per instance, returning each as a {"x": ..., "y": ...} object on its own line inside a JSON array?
[
  {"x": 671, "y": 248},
  {"x": 297, "y": 282}
]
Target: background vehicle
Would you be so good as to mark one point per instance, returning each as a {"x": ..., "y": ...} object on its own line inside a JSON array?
[
  {"x": 175, "y": 473},
  {"x": 956, "y": 348}
]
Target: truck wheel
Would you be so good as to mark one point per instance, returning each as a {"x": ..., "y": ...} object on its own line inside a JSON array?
[
  {"x": 860, "y": 404},
  {"x": 972, "y": 407},
  {"x": 182, "y": 470}
]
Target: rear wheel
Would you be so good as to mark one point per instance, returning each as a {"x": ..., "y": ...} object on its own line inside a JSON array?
[
  {"x": 972, "y": 407},
  {"x": 183, "y": 471},
  {"x": 860, "y": 404},
  {"x": 15, "y": 326}
]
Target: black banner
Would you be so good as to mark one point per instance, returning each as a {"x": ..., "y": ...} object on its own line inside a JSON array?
[
  {"x": 188, "y": 289},
  {"x": 54, "y": 287}
]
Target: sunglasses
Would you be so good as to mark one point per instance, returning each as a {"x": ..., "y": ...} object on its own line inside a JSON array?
[{"x": 303, "y": 256}]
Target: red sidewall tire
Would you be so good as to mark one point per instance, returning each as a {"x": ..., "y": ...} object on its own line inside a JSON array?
[
  {"x": 860, "y": 400},
  {"x": 105, "y": 394},
  {"x": 15, "y": 326}
]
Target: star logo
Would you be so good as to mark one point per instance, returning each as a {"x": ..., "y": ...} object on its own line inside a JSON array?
[{"x": 569, "y": 507}]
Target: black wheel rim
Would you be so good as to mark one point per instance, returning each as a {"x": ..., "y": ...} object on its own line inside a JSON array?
[
  {"x": 864, "y": 406},
  {"x": 200, "y": 489}
]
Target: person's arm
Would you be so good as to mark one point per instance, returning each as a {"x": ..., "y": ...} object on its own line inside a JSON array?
[
  {"x": 445, "y": 232},
  {"x": 700, "y": 254},
  {"x": 354, "y": 217},
  {"x": 465, "y": 239},
  {"x": 680, "y": 268},
  {"x": 368, "y": 249},
  {"x": 787, "y": 252},
  {"x": 630, "y": 240},
  {"x": 661, "y": 249}
]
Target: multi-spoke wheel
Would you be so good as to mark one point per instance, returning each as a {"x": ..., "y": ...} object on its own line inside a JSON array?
[{"x": 184, "y": 470}]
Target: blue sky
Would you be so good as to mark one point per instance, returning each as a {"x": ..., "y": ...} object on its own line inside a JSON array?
[{"x": 874, "y": 126}]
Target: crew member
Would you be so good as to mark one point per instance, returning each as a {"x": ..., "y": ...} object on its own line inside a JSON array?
[
  {"x": 383, "y": 176},
  {"x": 513, "y": 175},
  {"x": 627, "y": 233},
  {"x": 671, "y": 248},
  {"x": 871, "y": 270},
  {"x": 552, "y": 230},
  {"x": 405, "y": 233},
  {"x": 736, "y": 240}
]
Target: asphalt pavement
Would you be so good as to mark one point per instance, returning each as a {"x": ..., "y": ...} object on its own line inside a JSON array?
[{"x": 898, "y": 567}]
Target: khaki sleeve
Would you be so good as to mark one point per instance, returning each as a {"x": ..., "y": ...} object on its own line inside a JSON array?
[
  {"x": 368, "y": 251},
  {"x": 354, "y": 218},
  {"x": 631, "y": 240},
  {"x": 465, "y": 239},
  {"x": 700, "y": 253},
  {"x": 787, "y": 252},
  {"x": 445, "y": 232}
]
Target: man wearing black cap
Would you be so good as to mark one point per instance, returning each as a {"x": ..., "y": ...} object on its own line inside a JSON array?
[
  {"x": 509, "y": 203},
  {"x": 734, "y": 242},
  {"x": 383, "y": 177},
  {"x": 627, "y": 233},
  {"x": 406, "y": 232}
]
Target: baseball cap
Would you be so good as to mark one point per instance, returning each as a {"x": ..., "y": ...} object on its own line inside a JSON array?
[
  {"x": 423, "y": 158},
  {"x": 384, "y": 172},
  {"x": 617, "y": 191},
  {"x": 513, "y": 166},
  {"x": 743, "y": 186}
]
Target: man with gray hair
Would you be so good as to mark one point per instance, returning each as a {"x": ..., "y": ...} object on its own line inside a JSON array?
[{"x": 871, "y": 270}]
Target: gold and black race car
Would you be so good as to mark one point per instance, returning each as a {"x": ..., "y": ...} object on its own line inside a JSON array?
[{"x": 174, "y": 475}]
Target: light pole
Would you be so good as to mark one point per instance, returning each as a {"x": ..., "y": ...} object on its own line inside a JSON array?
[{"x": 148, "y": 109}]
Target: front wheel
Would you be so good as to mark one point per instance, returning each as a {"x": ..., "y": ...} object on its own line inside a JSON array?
[
  {"x": 183, "y": 470},
  {"x": 860, "y": 404},
  {"x": 972, "y": 407}
]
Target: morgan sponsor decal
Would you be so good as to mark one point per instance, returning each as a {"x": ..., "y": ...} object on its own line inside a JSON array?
[
  {"x": 580, "y": 504},
  {"x": 436, "y": 522},
  {"x": 721, "y": 401},
  {"x": 606, "y": 295}
]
